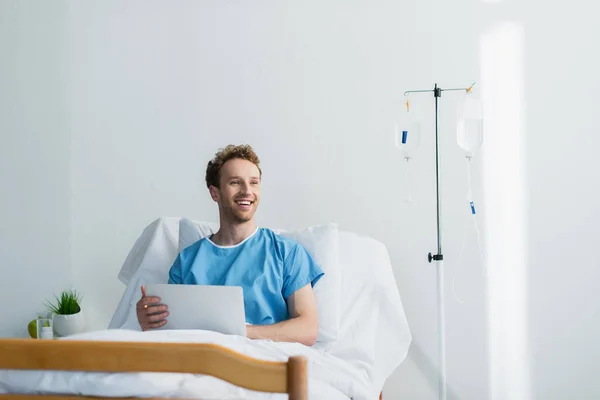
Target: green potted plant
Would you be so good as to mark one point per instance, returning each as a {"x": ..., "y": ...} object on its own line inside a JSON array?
[{"x": 68, "y": 316}]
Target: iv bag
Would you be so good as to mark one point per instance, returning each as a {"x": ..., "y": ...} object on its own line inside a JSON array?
[
  {"x": 469, "y": 124},
  {"x": 408, "y": 137}
]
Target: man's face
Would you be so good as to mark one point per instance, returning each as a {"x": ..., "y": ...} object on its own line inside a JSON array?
[{"x": 239, "y": 192}]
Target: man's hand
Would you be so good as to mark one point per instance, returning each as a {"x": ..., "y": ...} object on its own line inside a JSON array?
[
  {"x": 150, "y": 313},
  {"x": 303, "y": 325}
]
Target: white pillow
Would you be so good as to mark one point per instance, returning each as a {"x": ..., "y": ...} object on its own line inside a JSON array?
[
  {"x": 192, "y": 231},
  {"x": 322, "y": 243},
  {"x": 155, "y": 249}
]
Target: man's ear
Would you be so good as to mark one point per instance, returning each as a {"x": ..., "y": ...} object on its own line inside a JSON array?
[{"x": 214, "y": 192}]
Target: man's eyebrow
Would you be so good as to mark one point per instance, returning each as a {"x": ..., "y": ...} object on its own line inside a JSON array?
[{"x": 239, "y": 177}]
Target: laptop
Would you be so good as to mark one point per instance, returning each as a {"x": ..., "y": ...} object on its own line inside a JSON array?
[{"x": 211, "y": 308}]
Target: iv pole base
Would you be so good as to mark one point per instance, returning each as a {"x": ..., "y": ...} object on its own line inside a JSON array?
[{"x": 437, "y": 257}]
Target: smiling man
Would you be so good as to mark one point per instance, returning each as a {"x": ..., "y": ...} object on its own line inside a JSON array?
[{"x": 276, "y": 274}]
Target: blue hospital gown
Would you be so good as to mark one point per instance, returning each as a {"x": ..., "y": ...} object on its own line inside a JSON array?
[{"x": 268, "y": 267}]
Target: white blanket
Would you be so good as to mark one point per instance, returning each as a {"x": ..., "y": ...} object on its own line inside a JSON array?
[{"x": 329, "y": 377}]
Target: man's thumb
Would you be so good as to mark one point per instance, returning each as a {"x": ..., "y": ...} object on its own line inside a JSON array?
[{"x": 143, "y": 291}]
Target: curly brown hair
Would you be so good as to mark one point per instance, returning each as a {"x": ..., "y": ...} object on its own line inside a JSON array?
[{"x": 245, "y": 152}]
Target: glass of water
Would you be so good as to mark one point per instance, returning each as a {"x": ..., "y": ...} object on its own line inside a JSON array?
[{"x": 45, "y": 327}]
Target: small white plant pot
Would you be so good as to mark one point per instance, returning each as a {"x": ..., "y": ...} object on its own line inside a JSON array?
[{"x": 65, "y": 325}]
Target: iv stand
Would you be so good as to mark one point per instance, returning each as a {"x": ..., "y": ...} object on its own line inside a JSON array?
[{"x": 439, "y": 257}]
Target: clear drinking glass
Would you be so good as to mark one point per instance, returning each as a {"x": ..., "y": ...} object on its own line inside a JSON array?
[{"x": 45, "y": 327}]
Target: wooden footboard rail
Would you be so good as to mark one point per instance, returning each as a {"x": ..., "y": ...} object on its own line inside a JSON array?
[{"x": 197, "y": 358}]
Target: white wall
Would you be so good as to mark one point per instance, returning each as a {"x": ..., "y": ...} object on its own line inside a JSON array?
[
  {"x": 313, "y": 87},
  {"x": 154, "y": 90},
  {"x": 35, "y": 231}
]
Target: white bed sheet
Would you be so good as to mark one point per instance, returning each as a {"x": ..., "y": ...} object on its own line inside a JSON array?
[{"x": 329, "y": 377}]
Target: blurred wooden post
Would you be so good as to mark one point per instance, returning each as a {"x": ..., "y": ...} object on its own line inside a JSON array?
[{"x": 297, "y": 378}]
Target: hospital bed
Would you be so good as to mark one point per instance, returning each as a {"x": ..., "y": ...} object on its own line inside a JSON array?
[
  {"x": 363, "y": 335},
  {"x": 92, "y": 356}
]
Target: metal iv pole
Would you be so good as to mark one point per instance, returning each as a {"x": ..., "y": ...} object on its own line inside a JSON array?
[{"x": 439, "y": 257}]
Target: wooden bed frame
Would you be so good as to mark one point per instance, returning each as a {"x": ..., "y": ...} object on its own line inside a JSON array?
[{"x": 198, "y": 358}]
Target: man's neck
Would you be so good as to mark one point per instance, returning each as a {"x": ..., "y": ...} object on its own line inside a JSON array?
[{"x": 230, "y": 234}]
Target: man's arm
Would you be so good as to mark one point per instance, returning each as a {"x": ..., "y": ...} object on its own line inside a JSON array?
[{"x": 303, "y": 325}]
